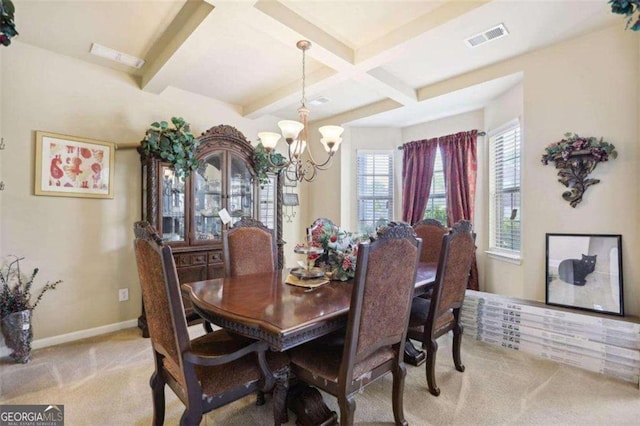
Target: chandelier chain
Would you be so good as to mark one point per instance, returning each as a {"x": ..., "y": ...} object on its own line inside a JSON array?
[{"x": 304, "y": 78}]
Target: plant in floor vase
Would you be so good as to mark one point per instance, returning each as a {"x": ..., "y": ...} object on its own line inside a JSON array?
[{"x": 16, "y": 307}]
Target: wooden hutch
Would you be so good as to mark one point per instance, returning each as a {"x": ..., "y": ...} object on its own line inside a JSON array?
[{"x": 186, "y": 211}]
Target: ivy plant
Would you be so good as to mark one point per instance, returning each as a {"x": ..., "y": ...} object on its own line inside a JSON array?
[
  {"x": 263, "y": 166},
  {"x": 628, "y": 8},
  {"x": 175, "y": 145}
]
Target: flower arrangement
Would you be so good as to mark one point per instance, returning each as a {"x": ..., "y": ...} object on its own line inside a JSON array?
[
  {"x": 340, "y": 249},
  {"x": 572, "y": 144},
  {"x": 15, "y": 290},
  {"x": 175, "y": 145},
  {"x": 628, "y": 8},
  {"x": 7, "y": 26}
]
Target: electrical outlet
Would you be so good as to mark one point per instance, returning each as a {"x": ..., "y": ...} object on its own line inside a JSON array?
[{"x": 123, "y": 294}]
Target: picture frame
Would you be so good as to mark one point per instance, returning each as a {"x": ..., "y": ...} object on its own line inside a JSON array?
[
  {"x": 70, "y": 166},
  {"x": 290, "y": 199},
  {"x": 584, "y": 271}
]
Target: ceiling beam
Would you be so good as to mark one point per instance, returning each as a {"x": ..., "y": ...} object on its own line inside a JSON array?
[
  {"x": 357, "y": 113},
  {"x": 285, "y": 25},
  {"x": 166, "y": 53}
]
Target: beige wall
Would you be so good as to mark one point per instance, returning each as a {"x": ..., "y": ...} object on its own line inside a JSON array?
[
  {"x": 85, "y": 242},
  {"x": 587, "y": 85}
]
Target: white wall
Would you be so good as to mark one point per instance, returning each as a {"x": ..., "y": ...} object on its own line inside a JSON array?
[{"x": 85, "y": 242}]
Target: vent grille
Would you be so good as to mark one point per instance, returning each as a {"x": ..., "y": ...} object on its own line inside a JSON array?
[{"x": 494, "y": 33}]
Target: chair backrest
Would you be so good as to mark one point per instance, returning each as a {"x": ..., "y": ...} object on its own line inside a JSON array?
[
  {"x": 249, "y": 248},
  {"x": 431, "y": 231},
  {"x": 454, "y": 266},
  {"x": 162, "y": 298},
  {"x": 382, "y": 293}
]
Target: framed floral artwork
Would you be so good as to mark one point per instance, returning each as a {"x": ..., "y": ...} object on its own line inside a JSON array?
[{"x": 69, "y": 166}]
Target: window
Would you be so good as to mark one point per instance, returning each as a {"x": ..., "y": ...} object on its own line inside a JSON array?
[
  {"x": 437, "y": 203},
  {"x": 504, "y": 190},
  {"x": 375, "y": 189}
]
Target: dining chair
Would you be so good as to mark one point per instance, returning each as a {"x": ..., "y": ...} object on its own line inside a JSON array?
[
  {"x": 376, "y": 326},
  {"x": 432, "y": 318},
  {"x": 431, "y": 231},
  {"x": 249, "y": 248},
  {"x": 206, "y": 372}
]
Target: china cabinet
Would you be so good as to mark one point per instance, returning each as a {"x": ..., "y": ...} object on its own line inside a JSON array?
[{"x": 191, "y": 213}]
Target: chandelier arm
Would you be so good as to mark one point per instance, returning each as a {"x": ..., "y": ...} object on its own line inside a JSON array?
[{"x": 321, "y": 166}]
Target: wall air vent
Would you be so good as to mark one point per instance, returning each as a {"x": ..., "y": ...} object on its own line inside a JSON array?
[
  {"x": 494, "y": 33},
  {"x": 318, "y": 101},
  {"x": 114, "y": 55}
]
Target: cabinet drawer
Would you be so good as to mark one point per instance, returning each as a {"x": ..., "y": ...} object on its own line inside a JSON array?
[
  {"x": 215, "y": 257},
  {"x": 191, "y": 259}
]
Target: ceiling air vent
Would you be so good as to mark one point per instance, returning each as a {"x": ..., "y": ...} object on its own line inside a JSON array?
[
  {"x": 488, "y": 35},
  {"x": 114, "y": 55},
  {"x": 318, "y": 101}
]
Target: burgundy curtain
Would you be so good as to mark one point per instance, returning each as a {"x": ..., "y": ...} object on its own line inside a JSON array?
[
  {"x": 460, "y": 164},
  {"x": 418, "y": 160}
]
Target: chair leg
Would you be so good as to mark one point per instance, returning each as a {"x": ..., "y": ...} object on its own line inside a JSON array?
[
  {"x": 399, "y": 374},
  {"x": 432, "y": 349},
  {"x": 157, "y": 392},
  {"x": 280, "y": 391},
  {"x": 457, "y": 342},
  {"x": 191, "y": 417},
  {"x": 347, "y": 409},
  {"x": 207, "y": 326}
]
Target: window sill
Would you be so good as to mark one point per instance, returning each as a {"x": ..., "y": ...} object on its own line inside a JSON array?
[{"x": 516, "y": 259}]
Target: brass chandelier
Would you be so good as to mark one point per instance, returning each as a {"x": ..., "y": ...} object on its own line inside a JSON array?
[{"x": 300, "y": 166}]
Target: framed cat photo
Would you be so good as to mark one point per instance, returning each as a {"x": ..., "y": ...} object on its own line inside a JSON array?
[{"x": 584, "y": 271}]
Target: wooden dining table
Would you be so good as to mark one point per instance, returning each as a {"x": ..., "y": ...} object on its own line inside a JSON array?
[{"x": 262, "y": 306}]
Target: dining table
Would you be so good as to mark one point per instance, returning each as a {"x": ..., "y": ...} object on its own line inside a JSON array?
[{"x": 264, "y": 307}]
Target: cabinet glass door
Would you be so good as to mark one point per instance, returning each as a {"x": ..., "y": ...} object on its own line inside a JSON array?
[
  {"x": 172, "y": 205},
  {"x": 267, "y": 212},
  {"x": 240, "y": 196},
  {"x": 208, "y": 198}
]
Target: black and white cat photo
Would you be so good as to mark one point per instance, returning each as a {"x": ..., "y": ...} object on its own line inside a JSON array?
[{"x": 575, "y": 271}]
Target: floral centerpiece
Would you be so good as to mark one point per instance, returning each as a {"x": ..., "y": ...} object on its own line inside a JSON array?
[
  {"x": 16, "y": 307},
  {"x": 576, "y": 157},
  {"x": 340, "y": 249}
]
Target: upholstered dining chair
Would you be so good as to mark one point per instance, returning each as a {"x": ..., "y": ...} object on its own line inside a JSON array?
[
  {"x": 376, "y": 327},
  {"x": 249, "y": 248},
  {"x": 206, "y": 372},
  {"x": 431, "y": 231},
  {"x": 432, "y": 318}
]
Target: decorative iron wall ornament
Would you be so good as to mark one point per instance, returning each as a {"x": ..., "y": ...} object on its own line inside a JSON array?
[{"x": 575, "y": 158}]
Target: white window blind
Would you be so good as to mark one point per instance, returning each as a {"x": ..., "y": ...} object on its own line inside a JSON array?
[
  {"x": 375, "y": 189},
  {"x": 437, "y": 203},
  {"x": 504, "y": 190}
]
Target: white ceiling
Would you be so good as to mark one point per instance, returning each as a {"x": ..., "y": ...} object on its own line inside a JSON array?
[{"x": 369, "y": 58}]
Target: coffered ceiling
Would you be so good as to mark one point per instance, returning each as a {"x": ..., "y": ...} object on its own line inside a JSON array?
[{"x": 370, "y": 58}]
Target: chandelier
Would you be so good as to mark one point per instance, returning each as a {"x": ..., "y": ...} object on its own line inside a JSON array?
[{"x": 300, "y": 166}]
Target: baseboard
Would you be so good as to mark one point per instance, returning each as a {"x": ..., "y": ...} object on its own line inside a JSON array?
[{"x": 73, "y": 336}]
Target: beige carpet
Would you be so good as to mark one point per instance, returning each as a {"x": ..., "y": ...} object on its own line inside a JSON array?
[{"x": 104, "y": 381}]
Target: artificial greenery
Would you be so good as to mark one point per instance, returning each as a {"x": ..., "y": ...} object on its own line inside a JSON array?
[
  {"x": 175, "y": 145},
  {"x": 7, "y": 26},
  {"x": 628, "y": 8},
  {"x": 573, "y": 144},
  {"x": 262, "y": 164},
  {"x": 15, "y": 290}
]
